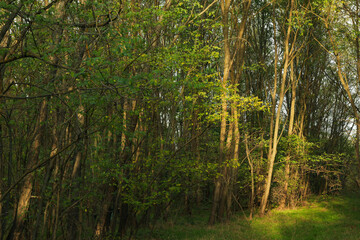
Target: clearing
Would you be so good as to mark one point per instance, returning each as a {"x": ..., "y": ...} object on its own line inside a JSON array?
[{"x": 322, "y": 218}]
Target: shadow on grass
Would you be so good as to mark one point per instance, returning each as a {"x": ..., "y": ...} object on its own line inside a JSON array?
[{"x": 334, "y": 218}]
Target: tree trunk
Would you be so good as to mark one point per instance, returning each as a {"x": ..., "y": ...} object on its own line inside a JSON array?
[
  {"x": 284, "y": 197},
  {"x": 225, "y": 5},
  {"x": 221, "y": 191},
  {"x": 27, "y": 186},
  {"x": 275, "y": 138},
  {"x": 252, "y": 198}
]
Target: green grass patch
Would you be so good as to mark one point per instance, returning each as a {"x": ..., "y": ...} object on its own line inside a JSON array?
[{"x": 322, "y": 218}]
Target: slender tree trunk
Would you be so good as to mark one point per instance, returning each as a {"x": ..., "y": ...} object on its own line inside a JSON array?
[
  {"x": 273, "y": 95},
  {"x": 225, "y": 5},
  {"x": 277, "y": 119},
  {"x": 45, "y": 184},
  {"x": 252, "y": 198},
  {"x": 290, "y": 132},
  {"x": 27, "y": 186}
]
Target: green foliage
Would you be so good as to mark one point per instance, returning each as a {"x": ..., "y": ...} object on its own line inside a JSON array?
[{"x": 132, "y": 101}]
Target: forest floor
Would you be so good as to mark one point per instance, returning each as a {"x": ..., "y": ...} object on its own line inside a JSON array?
[{"x": 321, "y": 218}]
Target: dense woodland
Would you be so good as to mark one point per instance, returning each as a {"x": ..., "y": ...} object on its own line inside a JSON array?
[{"x": 114, "y": 114}]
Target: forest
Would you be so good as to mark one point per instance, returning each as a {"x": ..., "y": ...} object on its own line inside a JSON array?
[{"x": 116, "y": 115}]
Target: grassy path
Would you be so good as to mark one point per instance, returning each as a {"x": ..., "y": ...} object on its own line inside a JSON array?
[{"x": 331, "y": 218}]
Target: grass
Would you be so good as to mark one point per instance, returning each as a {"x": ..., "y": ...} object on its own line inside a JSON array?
[{"x": 327, "y": 218}]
